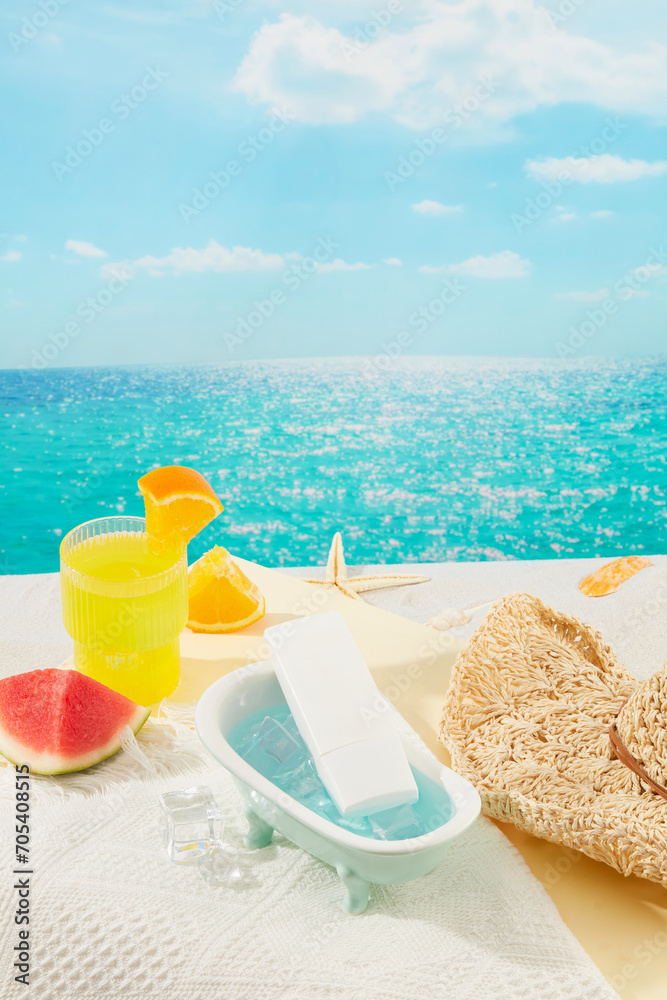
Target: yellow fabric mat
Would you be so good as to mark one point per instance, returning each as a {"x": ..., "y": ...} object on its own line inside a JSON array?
[{"x": 621, "y": 922}]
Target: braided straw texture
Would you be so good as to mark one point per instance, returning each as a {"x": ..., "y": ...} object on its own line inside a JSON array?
[
  {"x": 642, "y": 726},
  {"x": 526, "y": 720}
]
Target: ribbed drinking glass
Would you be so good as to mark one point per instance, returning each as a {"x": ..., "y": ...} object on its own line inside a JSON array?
[{"x": 124, "y": 606}]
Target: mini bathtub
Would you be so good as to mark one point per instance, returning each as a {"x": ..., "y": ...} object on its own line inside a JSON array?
[{"x": 358, "y": 860}]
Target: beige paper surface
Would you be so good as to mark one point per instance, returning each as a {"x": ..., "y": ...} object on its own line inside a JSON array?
[{"x": 621, "y": 922}]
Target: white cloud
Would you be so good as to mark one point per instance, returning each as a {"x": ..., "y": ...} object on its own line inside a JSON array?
[
  {"x": 416, "y": 72},
  {"x": 436, "y": 208},
  {"x": 340, "y": 265},
  {"x": 653, "y": 270},
  {"x": 564, "y": 215},
  {"x": 598, "y": 296},
  {"x": 11, "y": 256},
  {"x": 604, "y": 169},
  {"x": 601, "y": 294},
  {"x": 393, "y": 262},
  {"x": 212, "y": 258},
  {"x": 602, "y": 213},
  {"x": 20, "y": 238},
  {"x": 64, "y": 259},
  {"x": 84, "y": 249},
  {"x": 119, "y": 269},
  {"x": 222, "y": 260},
  {"x": 326, "y": 87},
  {"x": 505, "y": 264}
]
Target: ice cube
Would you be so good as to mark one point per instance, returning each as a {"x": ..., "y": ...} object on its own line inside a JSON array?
[
  {"x": 190, "y": 823},
  {"x": 219, "y": 867},
  {"x": 292, "y": 728},
  {"x": 303, "y": 784},
  {"x": 355, "y": 824},
  {"x": 272, "y": 750},
  {"x": 185, "y": 797},
  {"x": 397, "y": 823}
]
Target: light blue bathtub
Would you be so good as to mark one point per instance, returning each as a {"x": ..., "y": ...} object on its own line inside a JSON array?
[{"x": 358, "y": 860}]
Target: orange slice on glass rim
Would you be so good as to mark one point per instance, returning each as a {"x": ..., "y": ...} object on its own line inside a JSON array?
[
  {"x": 609, "y": 578},
  {"x": 221, "y": 598},
  {"x": 179, "y": 503}
]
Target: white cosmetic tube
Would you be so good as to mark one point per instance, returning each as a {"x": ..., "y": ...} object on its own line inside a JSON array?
[{"x": 344, "y": 719}]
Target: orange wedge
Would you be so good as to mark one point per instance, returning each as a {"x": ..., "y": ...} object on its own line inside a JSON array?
[
  {"x": 221, "y": 598},
  {"x": 609, "y": 578},
  {"x": 179, "y": 503}
]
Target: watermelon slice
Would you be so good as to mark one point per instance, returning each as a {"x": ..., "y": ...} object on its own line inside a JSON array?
[{"x": 60, "y": 720}]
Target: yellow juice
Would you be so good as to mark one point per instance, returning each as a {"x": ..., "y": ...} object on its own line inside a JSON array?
[{"x": 125, "y": 607}]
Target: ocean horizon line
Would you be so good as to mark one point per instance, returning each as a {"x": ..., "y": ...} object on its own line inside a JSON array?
[{"x": 499, "y": 359}]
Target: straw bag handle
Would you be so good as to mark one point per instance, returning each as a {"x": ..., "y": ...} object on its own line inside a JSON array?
[{"x": 631, "y": 762}]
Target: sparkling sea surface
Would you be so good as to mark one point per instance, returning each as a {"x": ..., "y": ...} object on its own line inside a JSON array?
[{"x": 430, "y": 459}]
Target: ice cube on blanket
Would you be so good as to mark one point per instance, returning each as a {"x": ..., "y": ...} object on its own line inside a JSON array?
[
  {"x": 398, "y": 823},
  {"x": 191, "y": 823},
  {"x": 220, "y": 867},
  {"x": 272, "y": 750}
]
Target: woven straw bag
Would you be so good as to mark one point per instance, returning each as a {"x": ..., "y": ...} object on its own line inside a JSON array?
[{"x": 559, "y": 738}]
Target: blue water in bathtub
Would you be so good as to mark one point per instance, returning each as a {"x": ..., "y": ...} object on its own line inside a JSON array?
[{"x": 271, "y": 743}]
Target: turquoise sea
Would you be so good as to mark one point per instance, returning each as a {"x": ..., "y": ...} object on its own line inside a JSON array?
[{"x": 413, "y": 459}]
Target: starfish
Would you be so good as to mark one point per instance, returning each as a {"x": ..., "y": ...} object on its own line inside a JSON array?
[{"x": 337, "y": 578}]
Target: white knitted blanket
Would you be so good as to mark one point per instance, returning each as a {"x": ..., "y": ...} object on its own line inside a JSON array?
[{"x": 113, "y": 918}]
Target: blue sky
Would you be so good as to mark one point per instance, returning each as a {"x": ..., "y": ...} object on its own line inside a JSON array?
[{"x": 487, "y": 177}]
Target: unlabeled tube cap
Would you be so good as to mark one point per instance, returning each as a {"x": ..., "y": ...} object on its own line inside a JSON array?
[
  {"x": 363, "y": 778},
  {"x": 346, "y": 722}
]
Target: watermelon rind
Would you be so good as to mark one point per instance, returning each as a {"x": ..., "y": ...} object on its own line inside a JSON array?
[{"x": 48, "y": 763}]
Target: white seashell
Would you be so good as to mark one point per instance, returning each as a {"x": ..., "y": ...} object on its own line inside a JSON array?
[{"x": 448, "y": 618}]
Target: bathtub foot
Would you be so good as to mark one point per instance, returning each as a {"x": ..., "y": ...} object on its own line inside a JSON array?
[
  {"x": 259, "y": 833},
  {"x": 356, "y": 890}
]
